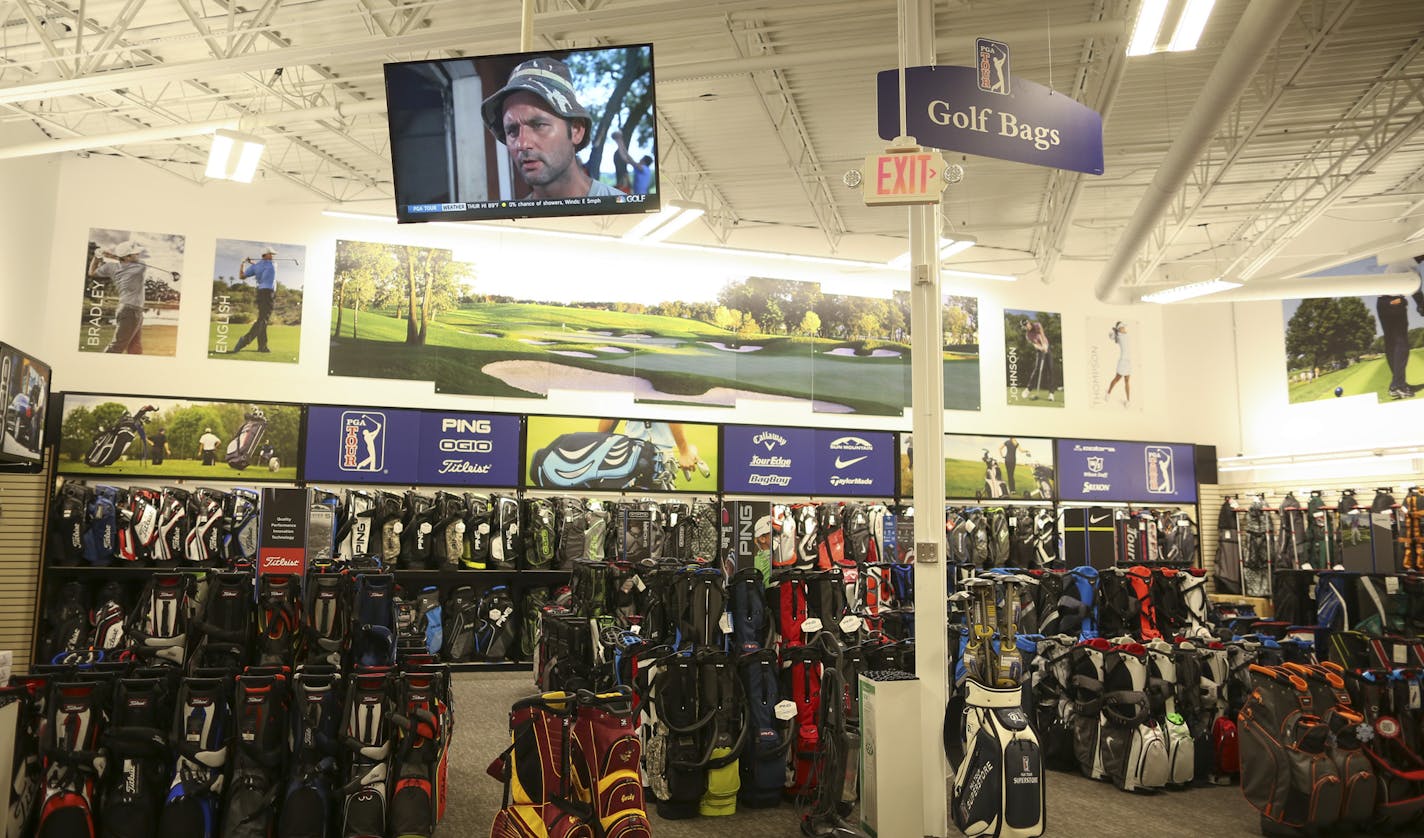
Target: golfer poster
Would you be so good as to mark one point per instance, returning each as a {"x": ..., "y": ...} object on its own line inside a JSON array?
[
  {"x": 131, "y": 293},
  {"x": 1112, "y": 358},
  {"x": 988, "y": 468},
  {"x": 256, "y": 312},
  {"x": 141, "y": 436},
  {"x": 1033, "y": 355}
]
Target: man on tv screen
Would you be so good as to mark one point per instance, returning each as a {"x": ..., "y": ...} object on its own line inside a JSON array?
[{"x": 538, "y": 117}]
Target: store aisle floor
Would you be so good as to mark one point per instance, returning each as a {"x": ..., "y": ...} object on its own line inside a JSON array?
[{"x": 1076, "y": 806}]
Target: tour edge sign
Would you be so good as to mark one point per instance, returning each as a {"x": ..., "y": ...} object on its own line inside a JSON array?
[{"x": 976, "y": 110}]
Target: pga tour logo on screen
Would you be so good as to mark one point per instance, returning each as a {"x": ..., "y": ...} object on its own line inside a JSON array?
[{"x": 363, "y": 441}]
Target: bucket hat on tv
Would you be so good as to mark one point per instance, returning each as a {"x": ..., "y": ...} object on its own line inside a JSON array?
[{"x": 547, "y": 78}]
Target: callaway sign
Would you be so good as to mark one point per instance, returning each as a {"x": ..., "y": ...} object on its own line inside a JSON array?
[
  {"x": 775, "y": 461},
  {"x": 1104, "y": 470}
]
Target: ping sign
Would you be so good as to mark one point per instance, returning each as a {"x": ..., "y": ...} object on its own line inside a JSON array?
[{"x": 902, "y": 176}]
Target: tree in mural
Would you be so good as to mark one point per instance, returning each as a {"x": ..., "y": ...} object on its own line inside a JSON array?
[
  {"x": 360, "y": 268},
  {"x": 628, "y": 105},
  {"x": 1329, "y": 332}
]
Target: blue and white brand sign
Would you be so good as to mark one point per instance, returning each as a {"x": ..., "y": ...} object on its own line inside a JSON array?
[
  {"x": 991, "y": 60},
  {"x": 361, "y": 445},
  {"x": 948, "y": 108},
  {"x": 468, "y": 449},
  {"x": 860, "y": 463},
  {"x": 760, "y": 460},
  {"x": 1096, "y": 470}
]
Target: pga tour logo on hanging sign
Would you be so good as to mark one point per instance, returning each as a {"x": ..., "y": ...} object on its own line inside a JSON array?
[
  {"x": 949, "y": 108},
  {"x": 1161, "y": 477},
  {"x": 900, "y": 177},
  {"x": 363, "y": 441},
  {"x": 468, "y": 449},
  {"x": 992, "y": 61}
]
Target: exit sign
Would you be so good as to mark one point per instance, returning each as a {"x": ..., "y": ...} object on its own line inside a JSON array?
[{"x": 903, "y": 176}]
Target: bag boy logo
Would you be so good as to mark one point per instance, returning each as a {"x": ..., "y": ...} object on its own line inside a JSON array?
[{"x": 363, "y": 441}]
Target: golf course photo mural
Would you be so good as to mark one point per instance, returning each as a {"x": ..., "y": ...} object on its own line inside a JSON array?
[
  {"x": 256, "y": 311},
  {"x": 708, "y": 339},
  {"x": 1339, "y": 347},
  {"x": 988, "y": 468}
]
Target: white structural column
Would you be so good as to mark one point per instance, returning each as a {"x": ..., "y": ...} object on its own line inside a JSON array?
[{"x": 927, "y": 409}]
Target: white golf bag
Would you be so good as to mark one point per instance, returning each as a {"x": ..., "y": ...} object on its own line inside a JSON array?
[{"x": 998, "y": 783}]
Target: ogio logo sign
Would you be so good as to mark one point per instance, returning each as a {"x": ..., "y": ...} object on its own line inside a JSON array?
[{"x": 363, "y": 441}]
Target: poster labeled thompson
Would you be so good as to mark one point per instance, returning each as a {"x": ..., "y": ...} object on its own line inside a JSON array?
[
  {"x": 131, "y": 292},
  {"x": 612, "y": 454},
  {"x": 1112, "y": 359},
  {"x": 141, "y": 436},
  {"x": 1033, "y": 355},
  {"x": 257, "y": 301},
  {"x": 989, "y": 467}
]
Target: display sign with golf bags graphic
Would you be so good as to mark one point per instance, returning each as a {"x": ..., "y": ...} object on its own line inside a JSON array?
[
  {"x": 989, "y": 467},
  {"x": 178, "y": 438},
  {"x": 1104, "y": 470},
  {"x": 24, "y": 398},
  {"x": 613, "y": 454}
]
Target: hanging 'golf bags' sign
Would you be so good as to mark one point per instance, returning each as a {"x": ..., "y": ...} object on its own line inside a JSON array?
[
  {"x": 1148, "y": 472},
  {"x": 772, "y": 461},
  {"x": 860, "y": 463},
  {"x": 362, "y": 445},
  {"x": 468, "y": 449},
  {"x": 947, "y": 108},
  {"x": 143, "y": 436}
]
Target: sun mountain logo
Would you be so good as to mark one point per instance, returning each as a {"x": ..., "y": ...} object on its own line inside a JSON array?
[
  {"x": 363, "y": 441},
  {"x": 768, "y": 440},
  {"x": 850, "y": 443}
]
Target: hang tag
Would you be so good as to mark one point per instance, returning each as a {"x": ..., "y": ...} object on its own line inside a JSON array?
[
  {"x": 460, "y": 527},
  {"x": 482, "y": 529},
  {"x": 1311, "y": 593},
  {"x": 496, "y": 615},
  {"x": 636, "y": 629},
  {"x": 968, "y": 526},
  {"x": 810, "y": 625},
  {"x": 1401, "y": 654},
  {"x": 1391, "y": 584},
  {"x": 851, "y": 623},
  {"x": 785, "y": 710},
  {"x": 1414, "y": 697},
  {"x": 397, "y": 528},
  {"x": 672, "y": 519},
  {"x": 638, "y": 583},
  {"x": 725, "y": 623},
  {"x": 425, "y": 527}
]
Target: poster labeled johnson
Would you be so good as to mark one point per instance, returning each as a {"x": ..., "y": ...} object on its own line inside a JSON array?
[{"x": 1033, "y": 357}]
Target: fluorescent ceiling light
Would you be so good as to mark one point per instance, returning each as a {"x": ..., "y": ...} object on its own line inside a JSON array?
[
  {"x": 1190, "y": 17},
  {"x": 978, "y": 275},
  {"x": 1190, "y": 25},
  {"x": 947, "y": 247},
  {"x": 672, "y": 217},
  {"x": 1362, "y": 456},
  {"x": 1149, "y": 22},
  {"x": 1190, "y": 290},
  {"x": 234, "y": 156}
]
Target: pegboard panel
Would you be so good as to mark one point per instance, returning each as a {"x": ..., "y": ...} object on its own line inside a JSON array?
[
  {"x": 23, "y": 508},
  {"x": 1212, "y": 496}
]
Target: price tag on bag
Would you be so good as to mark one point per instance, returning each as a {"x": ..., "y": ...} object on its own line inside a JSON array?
[
  {"x": 785, "y": 710},
  {"x": 851, "y": 623},
  {"x": 725, "y": 623},
  {"x": 1391, "y": 584},
  {"x": 810, "y": 625},
  {"x": 483, "y": 529}
]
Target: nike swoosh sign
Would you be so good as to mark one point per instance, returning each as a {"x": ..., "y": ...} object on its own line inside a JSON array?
[
  {"x": 1097, "y": 519},
  {"x": 843, "y": 463}
]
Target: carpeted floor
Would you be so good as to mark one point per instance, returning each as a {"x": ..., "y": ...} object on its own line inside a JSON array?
[{"x": 1076, "y": 806}]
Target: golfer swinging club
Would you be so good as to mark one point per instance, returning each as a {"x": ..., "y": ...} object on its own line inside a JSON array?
[
  {"x": 538, "y": 117},
  {"x": 127, "y": 278},
  {"x": 266, "y": 274}
]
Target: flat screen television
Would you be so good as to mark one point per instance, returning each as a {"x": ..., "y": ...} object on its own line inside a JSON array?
[
  {"x": 24, "y": 395},
  {"x": 512, "y": 136}
]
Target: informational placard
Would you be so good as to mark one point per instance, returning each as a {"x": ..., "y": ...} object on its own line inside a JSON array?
[
  {"x": 362, "y": 445},
  {"x": 1148, "y": 472},
  {"x": 776, "y": 461},
  {"x": 859, "y": 463},
  {"x": 468, "y": 449},
  {"x": 947, "y": 108},
  {"x": 282, "y": 547}
]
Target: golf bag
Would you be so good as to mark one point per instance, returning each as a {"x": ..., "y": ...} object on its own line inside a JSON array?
[
  {"x": 101, "y": 528},
  {"x": 110, "y": 634},
  {"x": 801, "y": 683},
  {"x": 1078, "y": 606},
  {"x": 67, "y": 523},
  {"x": 536, "y": 771},
  {"x": 372, "y": 639},
  {"x": 448, "y": 531},
  {"x": 541, "y": 544},
  {"x": 417, "y": 534},
  {"x": 386, "y": 527},
  {"x": 67, "y": 623},
  {"x": 111, "y": 444},
  {"x": 994, "y": 485},
  {"x": 158, "y": 627},
  {"x": 279, "y": 618},
  {"x": 998, "y": 788},
  {"x": 506, "y": 531},
  {"x": 461, "y": 619},
  {"x": 1132, "y": 748},
  {"x": 204, "y": 543},
  {"x": 479, "y": 536},
  {"x": 138, "y": 524},
  {"x": 258, "y": 753},
  {"x": 243, "y": 447},
  {"x": 72, "y": 760},
  {"x": 325, "y": 618},
  {"x": 353, "y": 535},
  {"x": 1163, "y": 692},
  {"x": 763, "y": 762},
  {"x": 606, "y": 754},
  {"x": 419, "y": 768},
  {"x": 174, "y": 525},
  {"x": 200, "y": 745},
  {"x": 680, "y": 745},
  {"x": 594, "y": 460},
  {"x": 314, "y": 747},
  {"x": 366, "y": 755},
  {"x": 137, "y": 747},
  {"x": 223, "y": 628},
  {"x": 497, "y": 625}
]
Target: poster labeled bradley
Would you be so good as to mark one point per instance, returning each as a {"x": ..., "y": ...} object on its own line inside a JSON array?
[{"x": 535, "y": 134}]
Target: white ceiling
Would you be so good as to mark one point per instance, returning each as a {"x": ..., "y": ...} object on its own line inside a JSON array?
[{"x": 765, "y": 103}]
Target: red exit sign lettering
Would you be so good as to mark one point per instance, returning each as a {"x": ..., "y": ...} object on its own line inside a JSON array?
[{"x": 901, "y": 177}]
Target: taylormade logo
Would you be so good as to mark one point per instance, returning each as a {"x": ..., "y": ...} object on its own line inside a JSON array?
[{"x": 837, "y": 480}]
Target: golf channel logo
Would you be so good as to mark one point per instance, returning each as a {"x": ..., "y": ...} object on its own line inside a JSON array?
[
  {"x": 856, "y": 450},
  {"x": 771, "y": 441},
  {"x": 991, "y": 64},
  {"x": 363, "y": 441},
  {"x": 1161, "y": 472}
]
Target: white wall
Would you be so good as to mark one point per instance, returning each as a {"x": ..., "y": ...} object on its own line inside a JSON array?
[
  {"x": 28, "y": 189},
  {"x": 99, "y": 192}
]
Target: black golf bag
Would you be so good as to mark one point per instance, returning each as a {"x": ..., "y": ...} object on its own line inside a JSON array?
[
  {"x": 372, "y": 639},
  {"x": 223, "y": 627},
  {"x": 417, "y": 535},
  {"x": 506, "y": 531},
  {"x": 204, "y": 543},
  {"x": 326, "y": 617},
  {"x": 479, "y": 532},
  {"x": 366, "y": 753},
  {"x": 67, "y": 523},
  {"x": 200, "y": 743},
  {"x": 279, "y": 618},
  {"x": 998, "y": 788},
  {"x": 137, "y": 744},
  {"x": 541, "y": 542},
  {"x": 497, "y": 625},
  {"x": 448, "y": 531},
  {"x": 174, "y": 525},
  {"x": 111, "y": 444},
  {"x": 243, "y": 447},
  {"x": 258, "y": 753},
  {"x": 314, "y": 746},
  {"x": 158, "y": 627},
  {"x": 72, "y": 759},
  {"x": 461, "y": 620}
]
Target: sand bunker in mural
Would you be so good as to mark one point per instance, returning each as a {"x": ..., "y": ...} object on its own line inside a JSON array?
[
  {"x": 536, "y": 342},
  {"x": 616, "y": 350},
  {"x": 541, "y": 376},
  {"x": 572, "y": 353},
  {"x": 849, "y": 352},
  {"x": 725, "y": 348}
]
